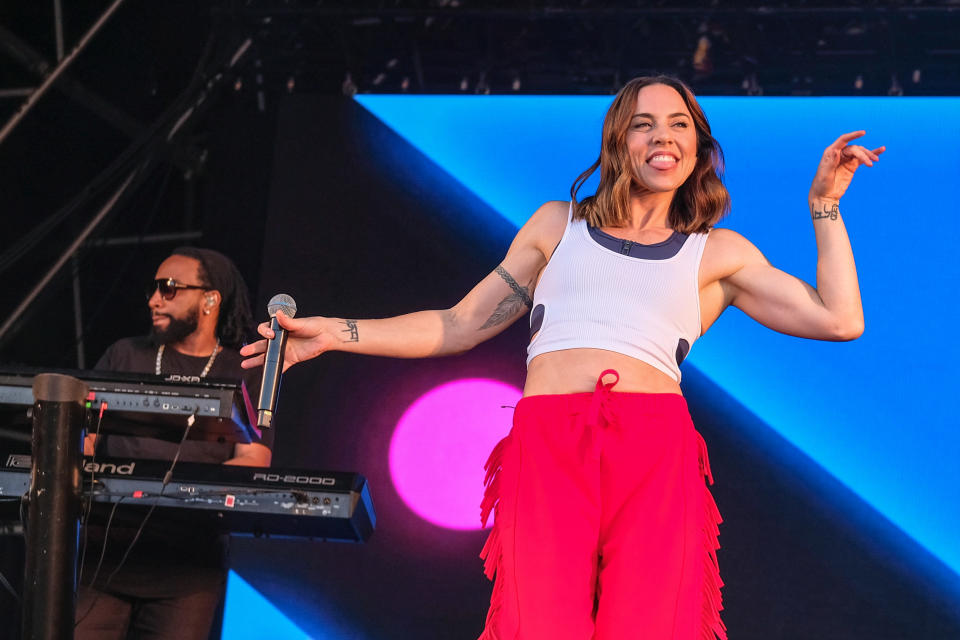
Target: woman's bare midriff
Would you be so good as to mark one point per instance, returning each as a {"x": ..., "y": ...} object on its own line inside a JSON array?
[{"x": 576, "y": 370}]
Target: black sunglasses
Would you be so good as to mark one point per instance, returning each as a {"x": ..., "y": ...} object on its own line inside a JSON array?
[{"x": 168, "y": 288}]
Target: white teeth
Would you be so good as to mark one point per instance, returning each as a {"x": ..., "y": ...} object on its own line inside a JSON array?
[{"x": 662, "y": 158}]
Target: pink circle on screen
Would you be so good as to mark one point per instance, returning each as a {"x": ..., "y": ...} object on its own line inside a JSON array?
[{"x": 441, "y": 443}]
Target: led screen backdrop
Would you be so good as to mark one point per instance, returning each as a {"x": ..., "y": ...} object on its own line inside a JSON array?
[
  {"x": 832, "y": 460},
  {"x": 878, "y": 413}
]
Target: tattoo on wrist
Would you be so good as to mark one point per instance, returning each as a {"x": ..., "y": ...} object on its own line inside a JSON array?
[
  {"x": 512, "y": 304},
  {"x": 831, "y": 212},
  {"x": 351, "y": 328}
]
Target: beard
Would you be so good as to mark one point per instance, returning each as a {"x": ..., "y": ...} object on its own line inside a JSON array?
[{"x": 177, "y": 329}]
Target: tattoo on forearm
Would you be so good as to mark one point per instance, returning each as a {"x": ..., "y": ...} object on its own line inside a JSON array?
[
  {"x": 832, "y": 213},
  {"x": 512, "y": 304},
  {"x": 351, "y": 328}
]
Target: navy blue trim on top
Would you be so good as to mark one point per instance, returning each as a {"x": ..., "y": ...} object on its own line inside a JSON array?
[
  {"x": 683, "y": 348},
  {"x": 536, "y": 319},
  {"x": 659, "y": 251}
]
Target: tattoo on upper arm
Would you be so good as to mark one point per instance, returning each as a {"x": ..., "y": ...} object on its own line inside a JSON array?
[
  {"x": 826, "y": 213},
  {"x": 523, "y": 293},
  {"x": 512, "y": 304},
  {"x": 351, "y": 328}
]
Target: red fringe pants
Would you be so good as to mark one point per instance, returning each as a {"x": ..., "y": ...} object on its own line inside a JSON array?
[{"x": 604, "y": 528}]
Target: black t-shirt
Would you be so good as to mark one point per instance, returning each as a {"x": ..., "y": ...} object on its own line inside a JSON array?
[
  {"x": 173, "y": 557},
  {"x": 139, "y": 355}
]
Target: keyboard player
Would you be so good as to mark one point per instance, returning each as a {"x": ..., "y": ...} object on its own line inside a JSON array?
[{"x": 172, "y": 583}]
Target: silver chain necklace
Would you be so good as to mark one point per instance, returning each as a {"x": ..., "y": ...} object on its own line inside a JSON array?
[{"x": 206, "y": 369}]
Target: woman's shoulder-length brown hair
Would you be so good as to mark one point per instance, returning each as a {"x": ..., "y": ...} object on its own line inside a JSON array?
[{"x": 699, "y": 203}]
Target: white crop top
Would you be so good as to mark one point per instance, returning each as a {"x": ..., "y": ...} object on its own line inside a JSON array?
[{"x": 601, "y": 292}]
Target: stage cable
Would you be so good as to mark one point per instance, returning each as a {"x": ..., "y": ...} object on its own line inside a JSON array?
[
  {"x": 3, "y": 579},
  {"x": 163, "y": 485},
  {"x": 96, "y": 573},
  {"x": 88, "y": 506},
  {"x": 9, "y": 587}
]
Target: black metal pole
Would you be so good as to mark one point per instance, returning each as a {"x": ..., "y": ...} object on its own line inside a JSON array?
[{"x": 49, "y": 600}]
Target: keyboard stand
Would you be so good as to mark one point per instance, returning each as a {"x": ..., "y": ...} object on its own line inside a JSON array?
[{"x": 54, "y": 500}]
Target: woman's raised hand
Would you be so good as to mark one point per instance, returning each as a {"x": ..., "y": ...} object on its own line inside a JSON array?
[
  {"x": 839, "y": 162},
  {"x": 306, "y": 338}
]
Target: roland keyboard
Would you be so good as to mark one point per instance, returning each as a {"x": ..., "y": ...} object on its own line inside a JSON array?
[
  {"x": 149, "y": 405},
  {"x": 240, "y": 500}
]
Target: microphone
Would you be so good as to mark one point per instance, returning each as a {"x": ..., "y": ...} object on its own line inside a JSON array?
[{"x": 273, "y": 359}]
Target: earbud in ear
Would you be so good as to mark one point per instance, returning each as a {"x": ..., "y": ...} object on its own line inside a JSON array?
[{"x": 211, "y": 300}]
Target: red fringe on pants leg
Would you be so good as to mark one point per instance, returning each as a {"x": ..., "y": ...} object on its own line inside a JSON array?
[
  {"x": 492, "y": 553},
  {"x": 712, "y": 626}
]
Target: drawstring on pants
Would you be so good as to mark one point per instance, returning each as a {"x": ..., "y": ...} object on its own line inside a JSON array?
[{"x": 601, "y": 411}]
